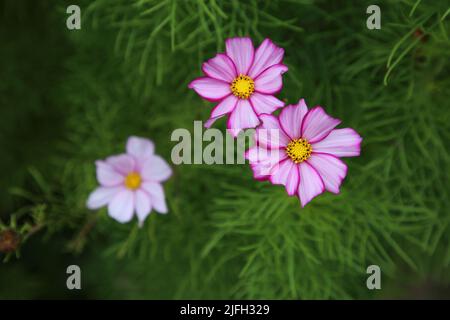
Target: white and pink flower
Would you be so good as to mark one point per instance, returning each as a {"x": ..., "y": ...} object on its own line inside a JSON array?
[
  {"x": 243, "y": 82},
  {"x": 300, "y": 149},
  {"x": 131, "y": 182}
]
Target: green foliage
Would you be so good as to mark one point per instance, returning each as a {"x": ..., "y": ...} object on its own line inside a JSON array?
[{"x": 228, "y": 236}]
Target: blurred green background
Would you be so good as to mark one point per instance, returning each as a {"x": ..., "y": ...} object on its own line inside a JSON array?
[{"x": 69, "y": 97}]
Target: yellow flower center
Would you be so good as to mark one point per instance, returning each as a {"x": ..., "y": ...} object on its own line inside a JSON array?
[
  {"x": 299, "y": 150},
  {"x": 242, "y": 86},
  {"x": 133, "y": 181}
]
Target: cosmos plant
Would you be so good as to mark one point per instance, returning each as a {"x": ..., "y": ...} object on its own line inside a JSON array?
[
  {"x": 243, "y": 82},
  {"x": 131, "y": 182},
  {"x": 301, "y": 150}
]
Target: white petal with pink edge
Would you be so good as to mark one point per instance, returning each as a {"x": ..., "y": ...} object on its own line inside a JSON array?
[
  {"x": 210, "y": 122},
  {"x": 287, "y": 174},
  {"x": 157, "y": 198},
  {"x": 242, "y": 117},
  {"x": 270, "y": 134},
  {"x": 267, "y": 55},
  {"x": 156, "y": 169},
  {"x": 311, "y": 184},
  {"x": 220, "y": 67},
  {"x": 107, "y": 176},
  {"x": 121, "y": 206},
  {"x": 241, "y": 51},
  {"x": 270, "y": 81},
  {"x": 263, "y": 161},
  {"x": 331, "y": 169},
  {"x": 227, "y": 105},
  {"x": 101, "y": 196},
  {"x": 140, "y": 147},
  {"x": 291, "y": 118},
  {"x": 317, "y": 124},
  {"x": 259, "y": 154},
  {"x": 210, "y": 89},
  {"x": 264, "y": 103},
  {"x": 340, "y": 143}
]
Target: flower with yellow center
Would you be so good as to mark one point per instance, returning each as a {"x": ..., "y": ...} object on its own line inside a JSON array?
[
  {"x": 305, "y": 154},
  {"x": 133, "y": 181},
  {"x": 243, "y": 82},
  {"x": 242, "y": 86},
  {"x": 299, "y": 150}
]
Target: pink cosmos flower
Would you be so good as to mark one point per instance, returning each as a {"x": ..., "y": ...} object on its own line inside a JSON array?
[
  {"x": 243, "y": 82},
  {"x": 131, "y": 182},
  {"x": 301, "y": 149}
]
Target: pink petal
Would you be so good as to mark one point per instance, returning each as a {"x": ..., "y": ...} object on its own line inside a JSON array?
[
  {"x": 291, "y": 118},
  {"x": 210, "y": 89},
  {"x": 260, "y": 172},
  {"x": 270, "y": 81},
  {"x": 270, "y": 134},
  {"x": 263, "y": 103},
  {"x": 311, "y": 183},
  {"x": 156, "y": 169},
  {"x": 107, "y": 176},
  {"x": 266, "y": 56},
  {"x": 143, "y": 205},
  {"x": 140, "y": 147},
  {"x": 225, "y": 106},
  {"x": 220, "y": 67},
  {"x": 124, "y": 163},
  {"x": 317, "y": 124},
  {"x": 157, "y": 198},
  {"x": 260, "y": 154},
  {"x": 286, "y": 174},
  {"x": 340, "y": 143},
  {"x": 101, "y": 196},
  {"x": 210, "y": 122},
  {"x": 331, "y": 169},
  {"x": 241, "y": 51},
  {"x": 242, "y": 117},
  {"x": 264, "y": 161},
  {"x": 122, "y": 205}
]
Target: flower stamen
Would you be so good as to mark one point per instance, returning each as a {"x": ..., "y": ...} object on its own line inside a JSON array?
[
  {"x": 133, "y": 181},
  {"x": 242, "y": 86},
  {"x": 299, "y": 150}
]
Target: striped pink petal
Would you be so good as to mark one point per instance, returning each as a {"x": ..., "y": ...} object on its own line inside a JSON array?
[
  {"x": 241, "y": 51},
  {"x": 210, "y": 89},
  {"x": 221, "y": 67},
  {"x": 242, "y": 117},
  {"x": 267, "y": 55},
  {"x": 331, "y": 169},
  {"x": 311, "y": 184},
  {"x": 291, "y": 118},
  {"x": 264, "y": 103},
  {"x": 270, "y": 81},
  {"x": 287, "y": 174},
  {"x": 317, "y": 124},
  {"x": 340, "y": 143},
  {"x": 270, "y": 134}
]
